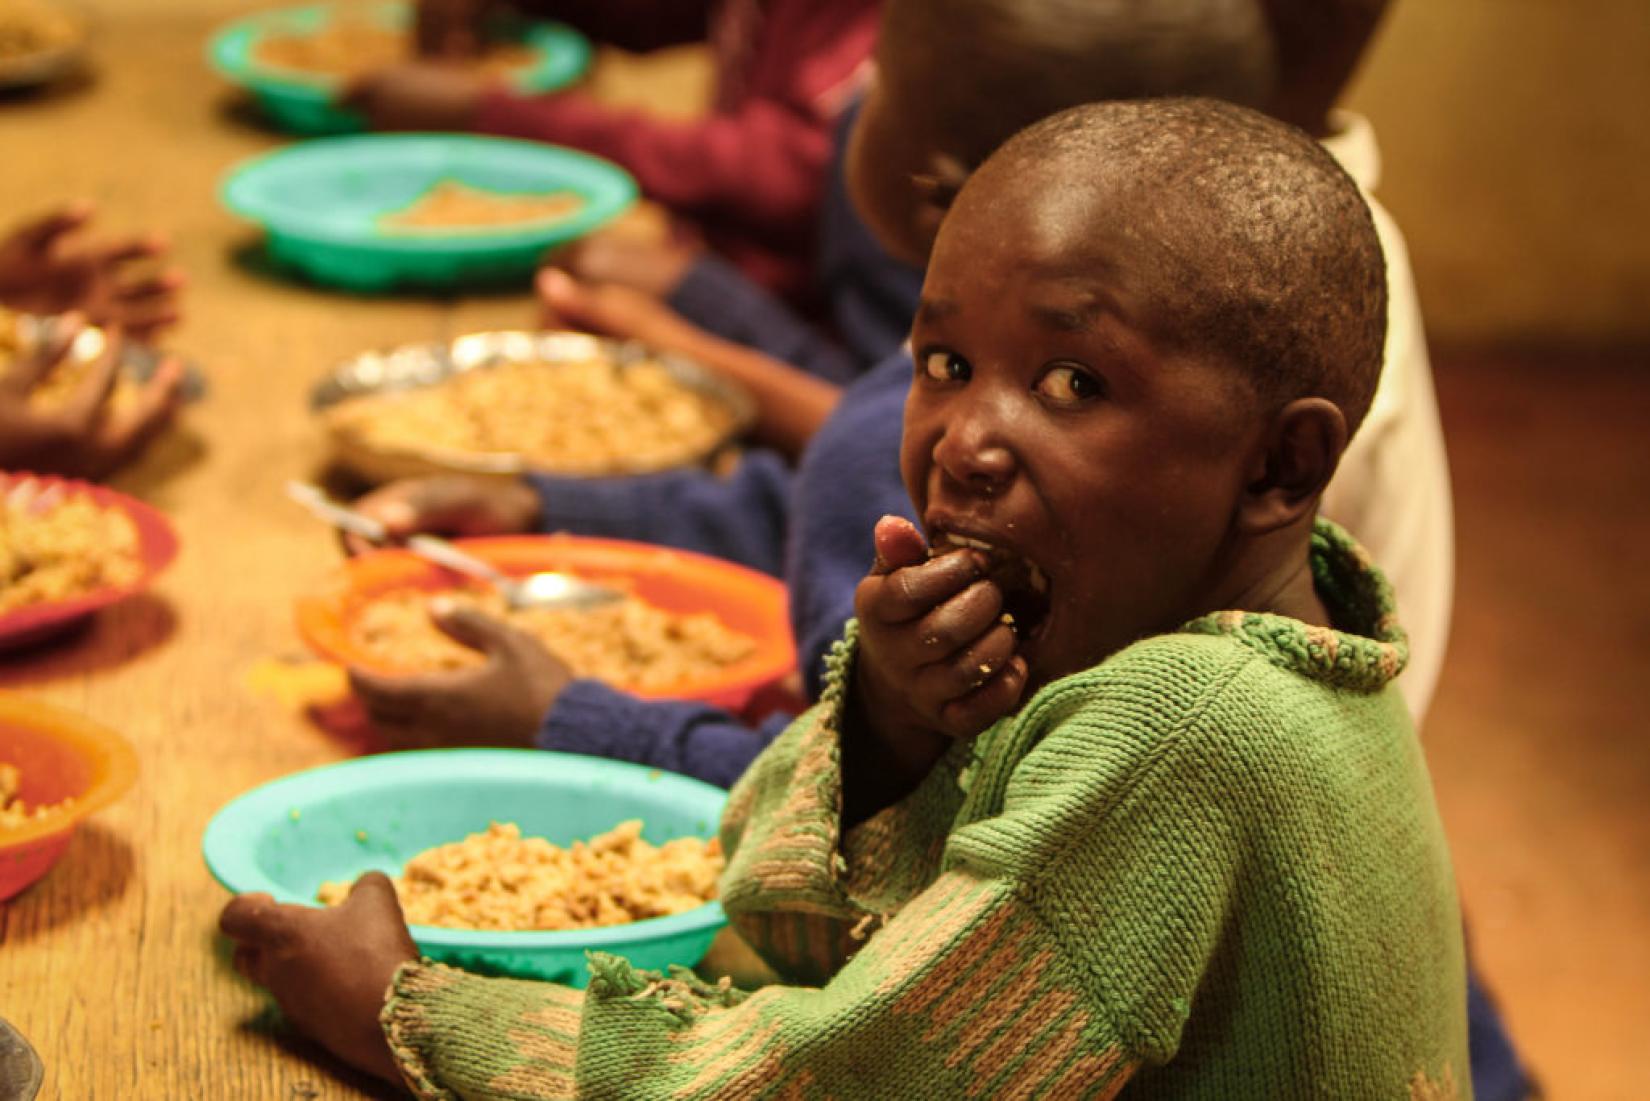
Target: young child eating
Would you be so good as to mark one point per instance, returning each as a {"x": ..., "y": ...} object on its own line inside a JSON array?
[{"x": 1110, "y": 785}]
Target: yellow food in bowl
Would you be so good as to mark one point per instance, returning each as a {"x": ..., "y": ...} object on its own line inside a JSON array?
[
  {"x": 501, "y": 881},
  {"x": 453, "y": 205},
  {"x": 60, "y": 544},
  {"x": 586, "y": 417},
  {"x": 13, "y": 812},
  {"x": 346, "y": 48},
  {"x": 627, "y": 642},
  {"x": 29, "y": 28}
]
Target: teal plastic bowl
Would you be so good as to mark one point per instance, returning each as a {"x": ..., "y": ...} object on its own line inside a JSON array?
[
  {"x": 336, "y": 822},
  {"x": 320, "y": 203},
  {"x": 304, "y": 105}
]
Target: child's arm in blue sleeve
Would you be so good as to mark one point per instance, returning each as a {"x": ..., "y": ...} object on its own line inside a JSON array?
[
  {"x": 717, "y": 297},
  {"x": 741, "y": 517},
  {"x": 694, "y": 739}
]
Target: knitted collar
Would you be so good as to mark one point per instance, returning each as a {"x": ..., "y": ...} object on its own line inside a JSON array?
[{"x": 1372, "y": 649}]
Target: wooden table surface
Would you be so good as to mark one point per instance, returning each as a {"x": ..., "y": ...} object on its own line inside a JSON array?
[{"x": 111, "y": 966}]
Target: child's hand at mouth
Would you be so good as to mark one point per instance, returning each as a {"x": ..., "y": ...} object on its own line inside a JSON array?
[{"x": 936, "y": 662}]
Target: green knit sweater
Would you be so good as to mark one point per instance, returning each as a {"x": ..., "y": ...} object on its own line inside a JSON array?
[{"x": 1209, "y": 867}]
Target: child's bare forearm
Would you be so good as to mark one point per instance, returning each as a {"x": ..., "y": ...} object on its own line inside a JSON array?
[{"x": 791, "y": 404}]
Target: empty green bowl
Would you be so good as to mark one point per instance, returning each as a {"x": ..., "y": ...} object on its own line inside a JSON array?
[
  {"x": 336, "y": 822},
  {"x": 304, "y": 104},
  {"x": 320, "y": 203}
]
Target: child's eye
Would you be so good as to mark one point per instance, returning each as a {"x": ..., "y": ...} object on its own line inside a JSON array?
[
  {"x": 944, "y": 366},
  {"x": 1068, "y": 385}
]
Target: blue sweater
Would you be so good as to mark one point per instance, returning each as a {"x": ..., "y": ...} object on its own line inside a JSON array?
[{"x": 817, "y": 524}]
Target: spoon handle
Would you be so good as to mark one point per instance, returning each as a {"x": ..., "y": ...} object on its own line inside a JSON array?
[
  {"x": 443, "y": 553},
  {"x": 344, "y": 519}
]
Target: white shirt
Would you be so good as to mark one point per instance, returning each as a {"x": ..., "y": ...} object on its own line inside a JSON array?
[{"x": 1392, "y": 490}]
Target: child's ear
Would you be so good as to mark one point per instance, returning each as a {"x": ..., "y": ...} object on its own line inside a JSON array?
[
  {"x": 1299, "y": 454},
  {"x": 937, "y": 189}
]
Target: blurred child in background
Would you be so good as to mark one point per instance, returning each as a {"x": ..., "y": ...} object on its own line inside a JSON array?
[
  {"x": 748, "y": 177},
  {"x": 49, "y": 269}
]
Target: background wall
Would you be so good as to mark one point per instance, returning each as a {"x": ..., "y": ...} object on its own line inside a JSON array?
[{"x": 1516, "y": 136}]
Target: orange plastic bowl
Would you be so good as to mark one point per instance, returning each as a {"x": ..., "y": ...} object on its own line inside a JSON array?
[
  {"x": 157, "y": 546},
  {"x": 677, "y": 581},
  {"x": 60, "y": 755}
]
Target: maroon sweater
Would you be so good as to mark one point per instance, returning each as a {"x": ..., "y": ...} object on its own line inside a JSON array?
[{"x": 751, "y": 174}]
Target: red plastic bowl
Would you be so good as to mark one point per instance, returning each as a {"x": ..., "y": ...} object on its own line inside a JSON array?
[
  {"x": 677, "y": 581},
  {"x": 60, "y": 755},
  {"x": 157, "y": 546}
]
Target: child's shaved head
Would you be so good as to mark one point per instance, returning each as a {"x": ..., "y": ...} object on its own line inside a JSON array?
[
  {"x": 982, "y": 69},
  {"x": 1245, "y": 236}
]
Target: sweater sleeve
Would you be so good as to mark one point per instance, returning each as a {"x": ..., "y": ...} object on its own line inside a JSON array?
[
  {"x": 694, "y": 739},
  {"x": 719, "y": 298},
  {"x": 741, "y": 517},
  {"x": 999, "y": 977}
]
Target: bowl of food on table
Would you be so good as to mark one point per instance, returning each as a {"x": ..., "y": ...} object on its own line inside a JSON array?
[
  {"x": 56, "y": 768},
  {"x": 376, "y": 212},
  {"x": 686, "y": 626},
  {"x": 560, "y": 403},
  {"x": 512, "y": 862},
  {"x": 40, "y": 41},
  {"x": 296, "y": 61},
  {"x": 69, "y": 548}
]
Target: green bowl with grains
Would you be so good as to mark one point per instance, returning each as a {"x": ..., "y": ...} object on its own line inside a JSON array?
[{"x": 332, "y": 824}]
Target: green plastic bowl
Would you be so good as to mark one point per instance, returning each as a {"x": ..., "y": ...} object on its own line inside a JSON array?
[
  {"x": 336, "y": 822},
  {"x": 320, "y": 202},
  {"x": 304, "y": 105}
]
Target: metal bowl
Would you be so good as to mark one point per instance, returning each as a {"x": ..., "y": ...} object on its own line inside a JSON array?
[{"x": 414, "y": 366}]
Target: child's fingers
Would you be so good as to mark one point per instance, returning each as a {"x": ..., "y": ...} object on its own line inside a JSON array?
[
  {"x": 252, "y": 919},
  {"x": 151, "y": 411},
  {"x": 911, "y": 592},
  {"x": 966, "y": 670},
  {"x": 374, "y": 895},
  {"x": 39, "y": 234},
  {"x": 898, "y": 544},
  {"x": 26, "y": 371},
  {"x": 960, "y": 621},
  {"x": 472, "y": 627},
  {"x": 999, "y": 696},
  {"x": 129, "y": 248},
  {"x": 86, "y": 405}
]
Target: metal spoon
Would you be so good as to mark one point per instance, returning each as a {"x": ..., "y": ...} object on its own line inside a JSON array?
[{"x": 549, "y": 589}]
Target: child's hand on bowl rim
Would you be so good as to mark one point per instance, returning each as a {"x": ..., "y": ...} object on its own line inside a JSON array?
[
  {"x": 499, "y": 703},
  {"x": 329, "y": 970}
]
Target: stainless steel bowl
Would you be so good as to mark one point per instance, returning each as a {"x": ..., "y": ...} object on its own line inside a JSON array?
[{"x": 413, "y": 366}]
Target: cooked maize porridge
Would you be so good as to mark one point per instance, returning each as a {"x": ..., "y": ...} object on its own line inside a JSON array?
[
  {"x": 627, "y": 642},
  {"x": 502, "y": 881},
  {"x": 588, "y": 417},
  {"x": 28, "y": 27},
  {"x": 453, "y": 205},
  {"x": 56, "y": 544},
  {"x": 13, "y": 813},
  {"x": 345, "y": 48}
]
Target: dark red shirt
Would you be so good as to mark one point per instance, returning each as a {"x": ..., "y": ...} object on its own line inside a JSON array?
[{"x": 751, "y": 174}]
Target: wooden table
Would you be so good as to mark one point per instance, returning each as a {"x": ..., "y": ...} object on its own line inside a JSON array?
[{"x": 111, "y": 965}]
